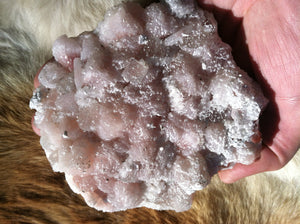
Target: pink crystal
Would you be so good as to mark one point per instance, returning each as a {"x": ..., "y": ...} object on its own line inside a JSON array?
[{"x": 146, "y": 108}]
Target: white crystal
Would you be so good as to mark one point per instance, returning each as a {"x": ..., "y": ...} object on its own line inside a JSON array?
[{"x": 145, "y": 109}]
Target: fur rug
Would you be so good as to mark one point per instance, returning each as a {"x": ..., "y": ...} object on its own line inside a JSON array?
[{"x": 30, "y": 192}]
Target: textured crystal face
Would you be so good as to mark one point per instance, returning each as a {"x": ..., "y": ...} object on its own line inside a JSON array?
[{"x": 146, "y": 108}]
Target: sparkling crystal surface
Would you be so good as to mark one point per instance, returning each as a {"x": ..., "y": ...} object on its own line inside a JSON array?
[{"x": 146, "y": 108}]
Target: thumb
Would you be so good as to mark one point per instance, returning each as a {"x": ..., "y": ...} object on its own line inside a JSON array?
[{"x": 268, "y": 161}]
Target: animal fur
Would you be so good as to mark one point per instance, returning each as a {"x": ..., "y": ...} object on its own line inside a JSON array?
[{"x": 30, "y": 192}]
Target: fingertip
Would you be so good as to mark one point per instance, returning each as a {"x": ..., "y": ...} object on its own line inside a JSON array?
[
  {"x": 34, "y": 128},
  {"x": 36, "y": 82},
  {"x": 232, "y": 175}
]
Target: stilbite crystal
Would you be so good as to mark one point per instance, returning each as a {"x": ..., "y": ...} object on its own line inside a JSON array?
[{"x": 146, "y": 108}]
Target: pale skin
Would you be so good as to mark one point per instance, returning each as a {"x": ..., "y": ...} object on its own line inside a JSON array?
[{"x": 271, "y": 29}]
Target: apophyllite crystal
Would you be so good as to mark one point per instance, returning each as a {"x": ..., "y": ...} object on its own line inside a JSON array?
[{"x": 146, "y": 108}]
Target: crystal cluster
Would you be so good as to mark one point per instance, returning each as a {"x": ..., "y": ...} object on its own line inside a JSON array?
[{"x": 146, "y": 108}]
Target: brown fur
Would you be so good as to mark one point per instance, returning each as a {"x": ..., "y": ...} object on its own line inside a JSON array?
[{"x": 30, "y": 192}]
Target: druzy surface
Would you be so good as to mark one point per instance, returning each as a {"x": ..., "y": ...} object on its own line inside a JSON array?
[{"x": 143, "y": 110}]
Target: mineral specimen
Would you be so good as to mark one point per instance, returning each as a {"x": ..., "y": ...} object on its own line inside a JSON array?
[{"x": 146, "y": 108}]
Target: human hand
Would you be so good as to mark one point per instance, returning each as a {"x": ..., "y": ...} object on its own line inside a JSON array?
[{"x": 271, "y": 30}]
